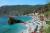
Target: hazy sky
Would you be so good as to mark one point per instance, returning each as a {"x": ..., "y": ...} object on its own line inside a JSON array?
[{"x": 22, "y": 2}]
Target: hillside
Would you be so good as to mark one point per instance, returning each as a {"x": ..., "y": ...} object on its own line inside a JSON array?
[{"x": 16, "y": 10}]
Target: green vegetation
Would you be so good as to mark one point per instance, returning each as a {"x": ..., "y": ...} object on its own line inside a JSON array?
[
  {"x": 21, "y": 9},
  {"x": 48, "y": 22},
  {"x": 47, "y": 14},
  {"x": 47, "y": 30}
]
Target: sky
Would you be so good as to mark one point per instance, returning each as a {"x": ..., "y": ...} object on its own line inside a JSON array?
[
  {"x": 22, "y": 2},
  {"x": 48, "y": 0}
]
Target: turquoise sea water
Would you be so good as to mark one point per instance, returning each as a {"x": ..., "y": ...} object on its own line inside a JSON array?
[{"x": 16, "y": 28}]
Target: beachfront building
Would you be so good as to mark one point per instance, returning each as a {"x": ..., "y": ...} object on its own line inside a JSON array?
[{"x": 35, "y": 25}]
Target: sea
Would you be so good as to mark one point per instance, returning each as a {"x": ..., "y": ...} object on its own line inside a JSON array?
[{"x": 16, "y": 28}]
